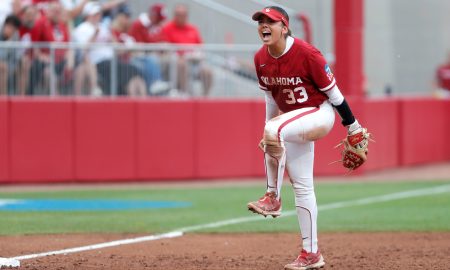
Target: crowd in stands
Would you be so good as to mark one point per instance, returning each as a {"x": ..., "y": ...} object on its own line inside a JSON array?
[{"x": 93, "y": 67}]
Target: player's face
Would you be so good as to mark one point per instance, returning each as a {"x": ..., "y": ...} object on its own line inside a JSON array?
[{"x": 270, "y": 31}]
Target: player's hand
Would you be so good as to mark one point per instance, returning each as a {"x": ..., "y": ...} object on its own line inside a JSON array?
[{"x": 261, "y": 145}]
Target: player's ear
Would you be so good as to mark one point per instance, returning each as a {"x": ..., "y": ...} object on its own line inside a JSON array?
[{"x": 284, "y": 30}]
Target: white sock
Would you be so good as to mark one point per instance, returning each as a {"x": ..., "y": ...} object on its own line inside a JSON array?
[{"x": 307, "y": 218}]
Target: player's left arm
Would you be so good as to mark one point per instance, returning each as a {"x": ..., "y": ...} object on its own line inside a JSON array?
[
  {"x": 357, "y": 139},
  {"x": 323, "y": 77}
]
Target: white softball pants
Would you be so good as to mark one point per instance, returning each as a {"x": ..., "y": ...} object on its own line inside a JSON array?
[{"x": 289, "y": 143}]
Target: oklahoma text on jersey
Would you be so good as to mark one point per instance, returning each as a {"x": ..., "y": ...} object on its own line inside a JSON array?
[{"x": 281, "y": 80}]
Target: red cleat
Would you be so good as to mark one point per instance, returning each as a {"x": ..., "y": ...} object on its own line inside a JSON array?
[
  {"x": 306, "y": 261},
  {"x": 267, "y": 205}
]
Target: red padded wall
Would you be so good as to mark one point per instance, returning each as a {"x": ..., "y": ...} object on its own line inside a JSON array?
[
  {"x": 4, "y": 140},
  {"x": 41, "y": 133},
  {"x": 423, "y": 134},
  {"x": 105, "y": 139},
  {"x": 165, "y": 139},
  {"x": 224, "y": 140},
  {"x": 446, "y": 124},
  {"x": 382, "y": 120},
  {"x": 259, "y": 116},
  {"x": 61, "y": 140}
]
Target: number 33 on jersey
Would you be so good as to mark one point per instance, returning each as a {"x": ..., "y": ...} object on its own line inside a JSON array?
[{"x": 299, "y": 78}]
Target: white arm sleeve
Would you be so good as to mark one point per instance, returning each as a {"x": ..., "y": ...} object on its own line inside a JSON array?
[
  {"x": 271, "y": 106},
  {"x": 335, "y": 96}
]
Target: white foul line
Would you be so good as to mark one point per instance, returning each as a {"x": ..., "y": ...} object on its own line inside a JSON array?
[
  {"x": 103, "y": 245},
  {"x": 179, "y": 232}
]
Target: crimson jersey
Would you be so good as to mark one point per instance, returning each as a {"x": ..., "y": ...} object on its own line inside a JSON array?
[{"x": 297, "y": 79}]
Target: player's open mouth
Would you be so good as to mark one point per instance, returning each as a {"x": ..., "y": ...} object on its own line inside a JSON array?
[{"x": 266, "y": 34}]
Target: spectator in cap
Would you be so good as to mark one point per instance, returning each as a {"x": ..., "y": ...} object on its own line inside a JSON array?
[
  {"x": 46, "y": 28},
  {"x": 92, "y": 32},
  {"x": 127, "y": 72},
  {"x": 49, "y": 28},
  {"x": 109, "y": 9},
  {"x": 147, "y": 29},
  {"x": 89, "y": 31}
]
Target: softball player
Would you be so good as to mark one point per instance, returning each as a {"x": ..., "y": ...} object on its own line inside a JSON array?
[{"x": 300, "y": 92}]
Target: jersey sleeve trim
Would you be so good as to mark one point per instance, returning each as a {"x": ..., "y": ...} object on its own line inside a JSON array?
[{"x": 329, "y": 87}]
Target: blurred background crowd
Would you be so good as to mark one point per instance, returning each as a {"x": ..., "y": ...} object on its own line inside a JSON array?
[
  {"x": 125, "y": 47},
  {"x": 90, "y": 65}
]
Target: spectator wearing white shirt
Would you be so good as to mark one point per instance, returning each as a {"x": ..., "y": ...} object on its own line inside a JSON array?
[
  {"x": 86, "y": 33},
  {"x": 128, "y": 78}
]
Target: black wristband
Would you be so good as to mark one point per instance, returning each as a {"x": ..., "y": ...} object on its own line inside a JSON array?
[{"x": 346, "y": 114}]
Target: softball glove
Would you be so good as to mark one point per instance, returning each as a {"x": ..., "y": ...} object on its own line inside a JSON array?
[{"x": 355, "y": 149}]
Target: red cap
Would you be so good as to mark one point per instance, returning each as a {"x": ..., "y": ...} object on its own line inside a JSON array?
[
  {"x": 273, "y": 14},
  {"x": 159, "y": 9}
]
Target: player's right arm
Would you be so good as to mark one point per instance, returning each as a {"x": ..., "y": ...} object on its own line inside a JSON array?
[{"x": 272, "y": 109}]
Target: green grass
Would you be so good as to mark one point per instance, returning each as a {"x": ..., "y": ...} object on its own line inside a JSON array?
[{"x": 424, "y": 213}]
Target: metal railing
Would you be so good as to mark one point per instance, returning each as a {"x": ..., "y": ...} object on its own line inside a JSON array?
[{"x": 114, "y": 69}]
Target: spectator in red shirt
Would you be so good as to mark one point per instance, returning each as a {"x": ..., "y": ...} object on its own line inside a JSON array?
[
  {"x": 180, "y": 31},
  {"x": 147, "y": 27},
  {"x": 113, "y": 76},
  {"x": 443, "y": 79},
  {"x": 49, "y": 28}
]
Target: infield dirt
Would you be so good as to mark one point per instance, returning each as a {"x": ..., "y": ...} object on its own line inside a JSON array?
[
  {"x": 393, "y": 250},
  {"x": 341, "y": 250}
]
